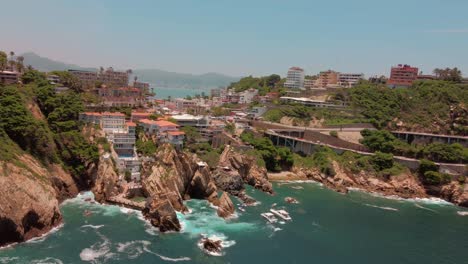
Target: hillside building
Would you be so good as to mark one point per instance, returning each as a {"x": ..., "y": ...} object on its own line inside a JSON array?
[
  {"x": 295, "y": 78},
  {"x": 402, "y": 75}
]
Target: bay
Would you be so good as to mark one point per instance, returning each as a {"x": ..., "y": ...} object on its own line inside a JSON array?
[{"x": 327, "y": 227}]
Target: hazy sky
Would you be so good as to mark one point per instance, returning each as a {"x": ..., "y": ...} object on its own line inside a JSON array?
[{"x": 241, "y": 37}]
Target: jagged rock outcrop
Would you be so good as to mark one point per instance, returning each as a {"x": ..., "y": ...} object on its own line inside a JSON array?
[
  {"x": 225, "y": 206},
  {"x": 175, "y": 176},
  {"x": 233, "y": 165},
  {"x": 106, "y": 180},
  {"x": 28, "y": 206},
  {"x": 456, "y": 193},
  {"x": 161, "y": 214},
  {"x": 405, "y": 185},
  {"x": 64, "y": 184}
]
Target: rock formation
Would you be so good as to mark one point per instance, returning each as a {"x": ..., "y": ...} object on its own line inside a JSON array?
[
  {"x": 106, "y": 180},
  {"x": 225, "y": 206},
  {"x": 161, "y": 214},
  {"x": 405, "y": 185},
  {"x": 233, "y": 165},
  {"x": 456, "y": 193},
  {"x": 28, "y": 206}
]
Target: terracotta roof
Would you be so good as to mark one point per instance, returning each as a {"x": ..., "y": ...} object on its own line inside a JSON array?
[
  {"x": 176, "y": 133},
  {"x": 141, "y": 114},
  {"x": 130, "y": 124},
  {"x": 92, "y": 113},
  {"x": 160, "y": 123},
  {"x": 113, "y": 114}
]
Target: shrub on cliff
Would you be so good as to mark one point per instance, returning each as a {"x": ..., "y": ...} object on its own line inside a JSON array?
[
  {"x": 436, "y": 178},
  {"x": 381, "y": 161},
  {"x": 427, "y": 165}
]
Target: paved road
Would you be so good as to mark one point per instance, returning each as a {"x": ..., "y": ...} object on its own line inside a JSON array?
[{"x": 354, "y": 129}]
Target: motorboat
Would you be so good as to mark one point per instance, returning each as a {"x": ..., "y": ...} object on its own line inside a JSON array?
[
  {"x": 281, "y": 214},
  {"x": 269, "y": 217}
]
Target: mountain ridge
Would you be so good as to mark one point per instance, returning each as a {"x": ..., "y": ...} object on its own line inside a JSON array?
[{"x": 156, "y": 77}]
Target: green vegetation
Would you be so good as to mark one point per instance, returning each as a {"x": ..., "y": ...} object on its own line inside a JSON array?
[
  {"x": 191, "y": 135},
  {"x": 146, "y": 148},
  {"x": 427, "y": 106},
  {"x": 275, "y": 158},
  {"x": 263, "y": 84},
  {"x": 381, "y": 164},
  {"x": 53, "y": 137},
  {"x": 334, "y": 133},
  {"x": 384, "y": 141},
  {"x": 436, "y": 178}
]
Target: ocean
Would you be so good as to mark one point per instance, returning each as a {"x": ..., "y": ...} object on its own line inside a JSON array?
[
  {"x": 327, "y": 227},
  {"x": 164, "y": 93}
]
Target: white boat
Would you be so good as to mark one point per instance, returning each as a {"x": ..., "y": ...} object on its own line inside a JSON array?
[
  {"x": 269, "y": 217},
  {"x": 282, "y": 214},
  {"x": 241, "y": 209}
]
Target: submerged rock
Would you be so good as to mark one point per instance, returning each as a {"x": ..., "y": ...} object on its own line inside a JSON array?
[
  {"x": 225, "y": 207},
  {"x": 291, "y": 200},
  {"x": 211, "y": 246},
  {"x": 161, "y": 214}
]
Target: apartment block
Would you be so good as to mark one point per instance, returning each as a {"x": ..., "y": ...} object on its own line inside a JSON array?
[
  {"x": 295, "y": 78},
  {"x": 349, "y": 79},
  {"x": 9, "y": 77},
  {"x": 327, "y": 79},
  {"x": 402, "y": 75}
]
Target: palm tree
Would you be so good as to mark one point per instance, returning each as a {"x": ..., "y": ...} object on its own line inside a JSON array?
[
  {"x": 101, "y": 70},
  {"x": 12, "y": 61},
  {"x": 129, "y": 71},
  {"x": 20, "y": 64},
  {"x": 3, "y": 60}
]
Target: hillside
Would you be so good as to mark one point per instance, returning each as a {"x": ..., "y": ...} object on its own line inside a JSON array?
[{"x": 157, "y": 78}]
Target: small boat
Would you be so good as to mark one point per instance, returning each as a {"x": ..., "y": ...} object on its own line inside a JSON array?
[
  {"x": 242, "y": 209},
  {"x": 269, "y": 217},
  {"x": 282, "y": 214}
]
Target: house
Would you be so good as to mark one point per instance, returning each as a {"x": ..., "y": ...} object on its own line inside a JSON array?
[
  {"x": 158, "y": 127},
  {"x": 9, "y": 77}
]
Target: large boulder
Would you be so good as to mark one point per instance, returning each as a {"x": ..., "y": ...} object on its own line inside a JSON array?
[
  {"x": 202, "y": 186},
  {"x": 225, "y": 207},
  {"x": 161, "y": 214},
  {"x": 228, "y": 180},
  {"x": 455, "y": 193}
]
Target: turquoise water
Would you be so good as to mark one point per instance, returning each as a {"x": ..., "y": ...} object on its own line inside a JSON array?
[
  {"x": 164, "y": 93},
  {"x": 327, "y": 227}
]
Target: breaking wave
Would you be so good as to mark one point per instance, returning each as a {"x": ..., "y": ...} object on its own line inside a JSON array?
[{"x": 382, "y": 207}]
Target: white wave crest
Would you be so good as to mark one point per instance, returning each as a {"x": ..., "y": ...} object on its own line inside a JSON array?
[
  {"x": 48, "y": 260},
  {"x": 382, "y": 207},
  {"x": 462, "y": 213},
  {"x": 92, "y": 226},
  {"x": 133, "y": 249},
  {"x": 44, "y": 236},
  {"x": 98, "y": 251}
]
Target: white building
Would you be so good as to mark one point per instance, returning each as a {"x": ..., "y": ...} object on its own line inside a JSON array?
[
  {"x": 349, "y": 79},
  {"x": 191, "y": 120},
  {"x": 247, "y": 97},
  {"x": 295, "y": 78},
  {"x": 310, "y": 102},
  {"x": 113, "y": 122}
]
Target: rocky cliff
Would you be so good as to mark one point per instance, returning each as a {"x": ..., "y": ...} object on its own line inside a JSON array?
[
  {"x": 169, "y": 178},
  {"x": 29, "y": 206},
  {"x": 405, "y": 185},
  {"x": 235, "y": 169}
]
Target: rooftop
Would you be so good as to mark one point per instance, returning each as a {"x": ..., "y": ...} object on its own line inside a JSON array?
[
  {"x": 160, "y": 123},
  {"x": 176, "y": 133}
]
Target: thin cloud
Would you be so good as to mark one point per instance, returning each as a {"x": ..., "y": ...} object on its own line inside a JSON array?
[{"x": 452, "y": 31}]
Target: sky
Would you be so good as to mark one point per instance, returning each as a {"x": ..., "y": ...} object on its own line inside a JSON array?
[{"x": 241, "y": 37}]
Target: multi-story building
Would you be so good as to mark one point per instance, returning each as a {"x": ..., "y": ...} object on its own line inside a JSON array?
[
  {"x": 165, "y": 131},
  {"x": 9, "y": 77},
  {"x": 309, "y": 84},
  {"x": 349, "y": 79},
  {"x": 246, "y": 97},
  {"x": 137, "y": 116},
  {"x": 295, "y": 78},
  {"x": 113, "y": 122},
  {"x": 124, "y": 141},
  {"x": 184, "y": 104},
  {"x": 53, "y": 79},
  {"x": 218, "y": 92},
  {"x": 143, "y": 86},
  {"x": 402, "y": 75},
  {"x": 90, "y": 117},
  {"x": 108, "y": 77},
  {"x": 327, "y": 79},
  {"x": 121, "y": 97},
  {"x": 87, "y": 78}
]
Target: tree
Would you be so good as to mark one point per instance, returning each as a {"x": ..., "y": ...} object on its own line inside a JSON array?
[
  {"x": 20, "y": 64},
  {"x": 381, "y": 161},
  {"x": 3, "y": 60},
  {"x": 12, "y": 60},
  {"x": 448, "y": 74},
  {"x": 427, "y": 165},
  {"x": 272, "y": 80},
  {"x": 379, "y": 140}
]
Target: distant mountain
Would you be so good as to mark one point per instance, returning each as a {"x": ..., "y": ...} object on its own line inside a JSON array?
[
  {"x": 160, "y": 78},
  {"x": 157, "y": 78},
  {"x": 46, "y": 65}
]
